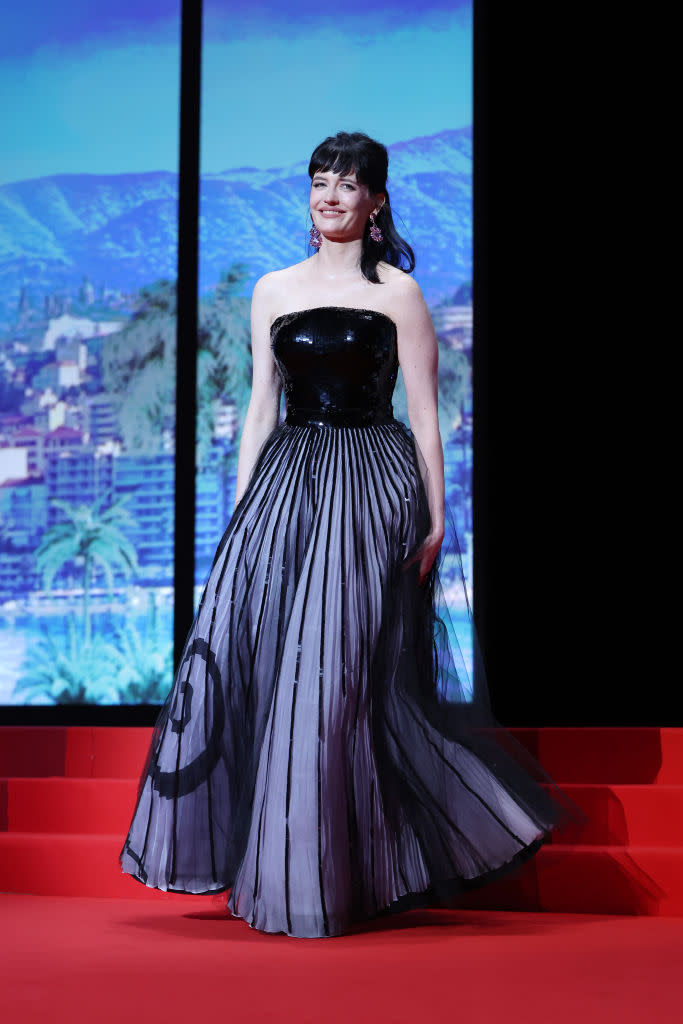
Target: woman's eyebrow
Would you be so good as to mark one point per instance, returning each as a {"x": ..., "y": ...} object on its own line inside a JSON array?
[{"x": 321, "y": 174}]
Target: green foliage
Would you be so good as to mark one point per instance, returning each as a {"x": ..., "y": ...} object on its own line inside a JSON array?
[
  {"x": 132, "y": 667},
  {"x": 139, "y": 368},
  {"x": 224, "y": 363},
  {"x": 69, "y": 671},
  {"x": 139, "y": 363},
  {"x": 143, "y": 661},
  {"x": 454, "y": 379}
]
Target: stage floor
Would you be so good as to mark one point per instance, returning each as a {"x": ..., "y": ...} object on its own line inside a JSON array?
[{"x": 174, "y": 959}]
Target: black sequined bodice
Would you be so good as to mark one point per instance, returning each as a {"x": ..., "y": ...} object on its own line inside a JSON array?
[{"x": 338, "y": 365}]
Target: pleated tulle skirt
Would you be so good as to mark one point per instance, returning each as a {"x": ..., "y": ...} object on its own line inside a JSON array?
[{"x": 320, "y": 753}]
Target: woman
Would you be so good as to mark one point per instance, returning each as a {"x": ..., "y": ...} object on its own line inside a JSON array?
[{"x": 319, "y": 754}]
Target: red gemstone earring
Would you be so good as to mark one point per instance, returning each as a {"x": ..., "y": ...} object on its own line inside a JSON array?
[
  {"x": 375, "y": 233},
  {"x": 316, "y": 238}
]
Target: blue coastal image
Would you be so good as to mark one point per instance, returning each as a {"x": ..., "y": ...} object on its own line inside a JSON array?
[{"x": 88, "y": 264}]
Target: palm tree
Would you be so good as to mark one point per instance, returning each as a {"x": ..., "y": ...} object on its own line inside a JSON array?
[{"x": 90, "y": 537}]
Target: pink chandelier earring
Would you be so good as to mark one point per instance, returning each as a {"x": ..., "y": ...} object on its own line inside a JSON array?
[
  {"x": 375, "y": 233},
  {"x": 316, "y": 238}
]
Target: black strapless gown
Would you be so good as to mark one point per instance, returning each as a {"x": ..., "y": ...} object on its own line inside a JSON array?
[{"x": 320, "y": 753}]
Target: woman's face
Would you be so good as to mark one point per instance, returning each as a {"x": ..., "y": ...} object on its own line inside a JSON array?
[{"x": 340, "y": 206}]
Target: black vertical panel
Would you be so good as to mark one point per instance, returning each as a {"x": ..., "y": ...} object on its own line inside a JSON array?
[
  {"x": 480, "y": 496},
  {"x": 563, "y": 572},
  {"x": 531, "y": 641},
  {"x": 186, "y": 365},
  {"x": 528, "y": 557}
]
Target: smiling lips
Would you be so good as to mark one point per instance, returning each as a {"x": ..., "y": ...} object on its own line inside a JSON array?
[{"x": 331, "y": 213}]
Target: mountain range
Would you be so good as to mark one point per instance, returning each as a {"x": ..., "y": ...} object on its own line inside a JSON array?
[{"x": 121, "y": 230}]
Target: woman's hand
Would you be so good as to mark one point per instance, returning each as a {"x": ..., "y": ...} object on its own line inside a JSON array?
[{"x": 426, "y": 553}]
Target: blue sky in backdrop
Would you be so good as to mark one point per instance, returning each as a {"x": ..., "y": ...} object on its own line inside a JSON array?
[{"x": 92, "y": 87}]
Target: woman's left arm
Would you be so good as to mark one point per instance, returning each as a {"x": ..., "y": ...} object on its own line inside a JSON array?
[{"x": 418, "y": 354}]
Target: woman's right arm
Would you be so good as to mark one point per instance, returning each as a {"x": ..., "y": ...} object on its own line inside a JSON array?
[{"x": 266, "y": 386}]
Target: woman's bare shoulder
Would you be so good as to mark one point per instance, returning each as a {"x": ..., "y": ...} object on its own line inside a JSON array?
[
  {"x": 403, "y": 291},
  {"x": 274, "y": 287},
  {"x": 273, "y": 281}
]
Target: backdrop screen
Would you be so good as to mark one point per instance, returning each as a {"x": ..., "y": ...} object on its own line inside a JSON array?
[
  {"x": 88, "y": 256},
  {"x": 88, "y": 214},
  {"x": 275, "y": 83}
]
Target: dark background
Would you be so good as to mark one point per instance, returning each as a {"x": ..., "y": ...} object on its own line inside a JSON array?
[{"x": 574, "y": 385}]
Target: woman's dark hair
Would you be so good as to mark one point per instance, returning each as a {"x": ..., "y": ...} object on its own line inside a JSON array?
[{"x": 354, "y": 151}]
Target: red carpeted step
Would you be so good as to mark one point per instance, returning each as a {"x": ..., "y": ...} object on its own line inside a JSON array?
[
  {"x": 67, "y": 865},
  {"x": 621, "y": 756},
  {"x": 32, "y": 750},
  {"x": 73, "y": 751},
  {"x": 626, "y": 815},
  {"x": 608, "y": 880},
  {"x": 66, "y": 828},
  {"x": 618, "y": 755},
  {"x": 88, "y": 806},
  {"x": 618, "y": 815},
  {"x": 627, "y": 879},
  {"x": 591, "y": 879},
  {"x": 107, "y": 753}
]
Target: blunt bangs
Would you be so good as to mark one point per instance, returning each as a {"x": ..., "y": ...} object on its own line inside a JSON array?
[{"x": 341, "y": 157}]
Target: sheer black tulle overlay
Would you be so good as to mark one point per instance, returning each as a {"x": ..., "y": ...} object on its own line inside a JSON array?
[{"x": 324, "y": 753}]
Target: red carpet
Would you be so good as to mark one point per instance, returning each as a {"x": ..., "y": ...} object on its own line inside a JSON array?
[
  {"x": 534, "y": 947},
  {"x": 182, "y": 959},
  {"x": 60, "y": 833}
]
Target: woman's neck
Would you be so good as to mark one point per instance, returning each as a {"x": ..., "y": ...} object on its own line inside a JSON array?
[{"x": 338, "y": 259}]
